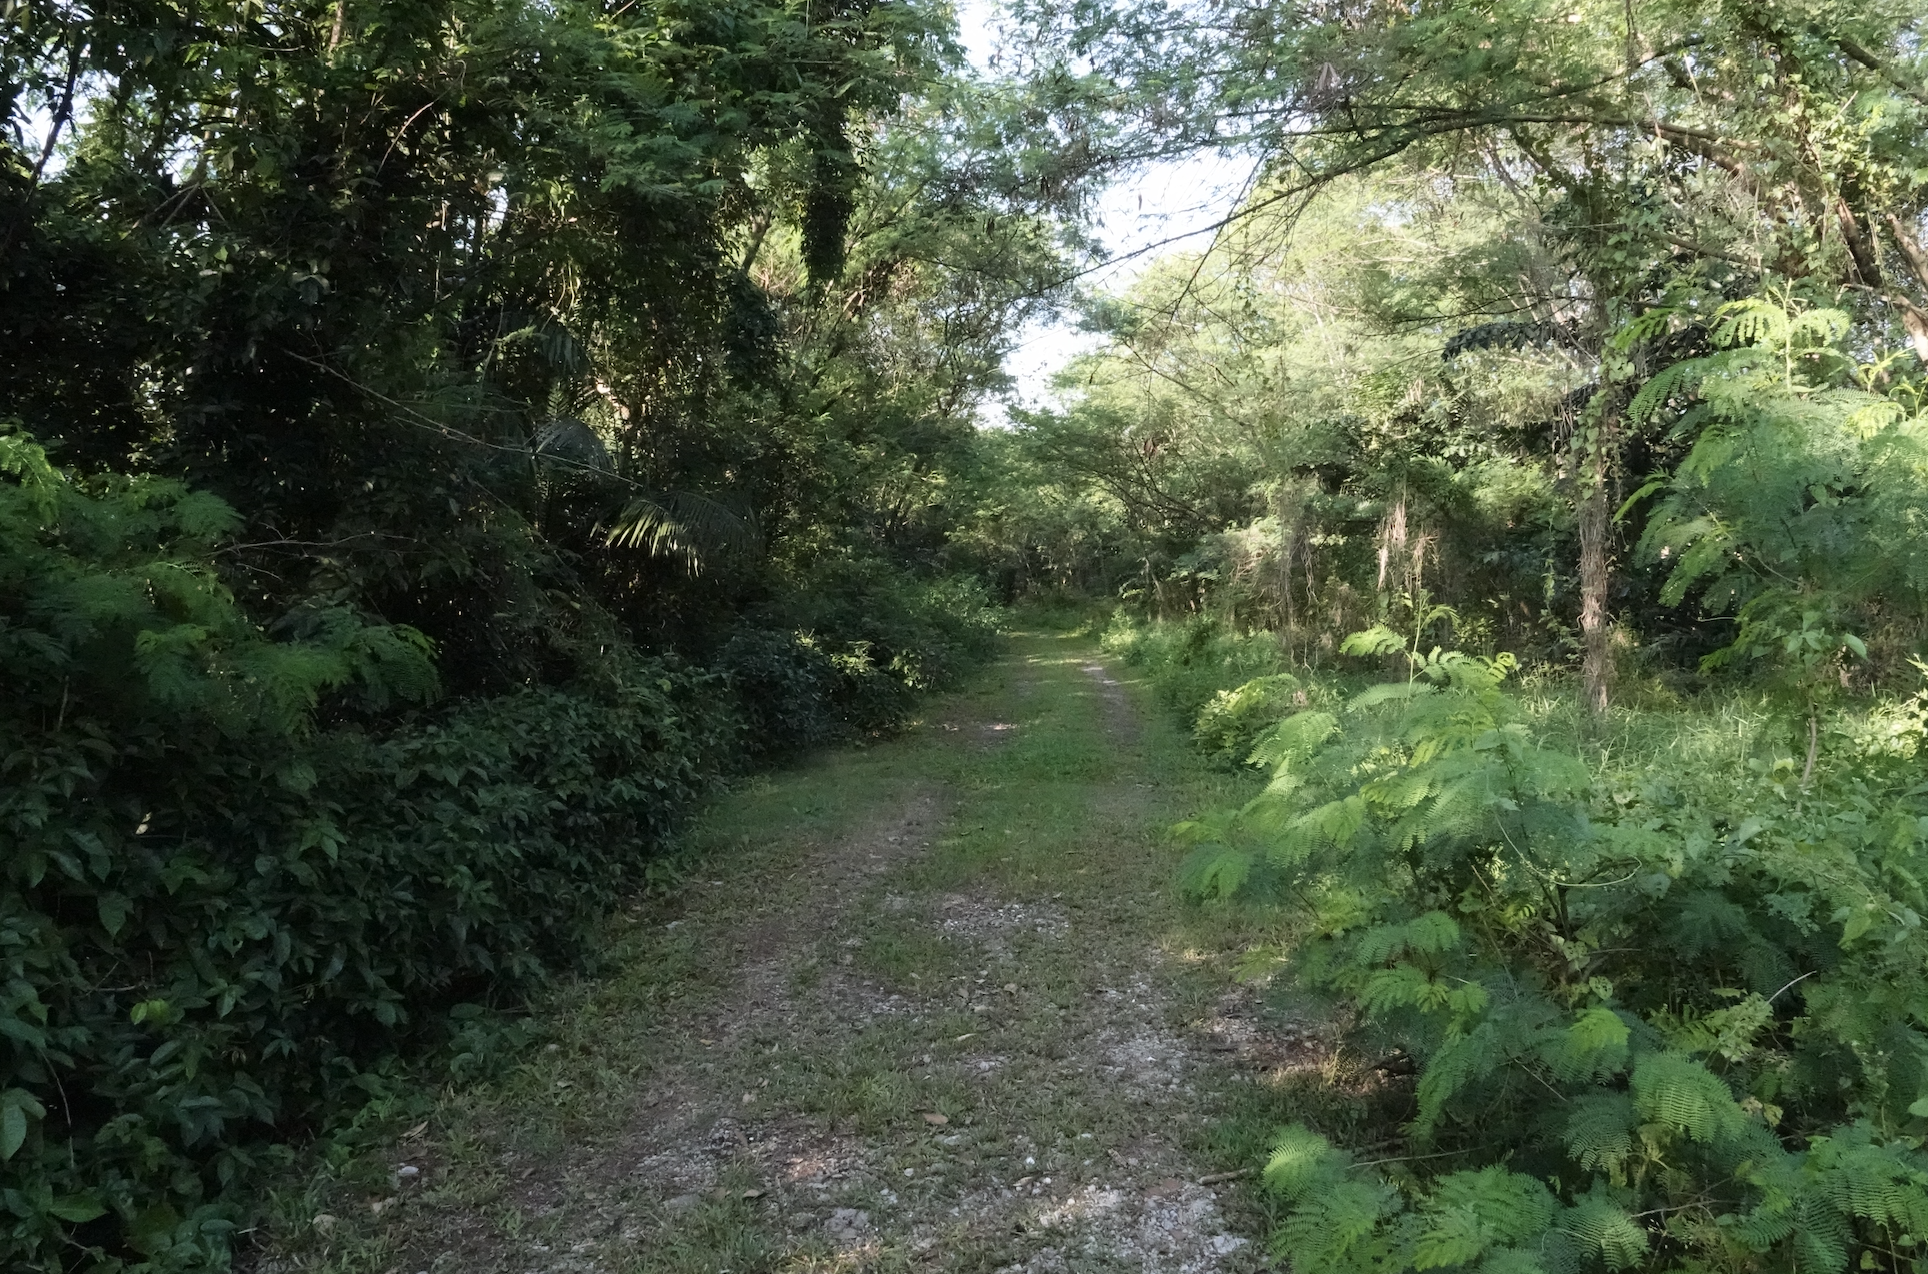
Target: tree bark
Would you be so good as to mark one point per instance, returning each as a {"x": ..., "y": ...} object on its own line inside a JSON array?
[{"x": 1596, "y": 652}]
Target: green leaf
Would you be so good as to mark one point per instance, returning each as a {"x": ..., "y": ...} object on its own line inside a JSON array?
[
  {"x": 78, "y": 1208},
  {"x": 13, "y": 1130},
  {"x": 113, "y": 909},
  {"x": 151, "y": 1230}
]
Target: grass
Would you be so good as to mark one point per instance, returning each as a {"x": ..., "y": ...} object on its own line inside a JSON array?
[{"x": 920, "y": 959}]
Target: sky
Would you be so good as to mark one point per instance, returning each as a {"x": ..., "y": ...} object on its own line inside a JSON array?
[{"x": 1156, "y": 202}]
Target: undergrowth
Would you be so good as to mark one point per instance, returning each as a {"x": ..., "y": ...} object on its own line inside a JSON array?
[
  {"x": 254, "y": 877},
  {"x": 1657, "y": 979}
]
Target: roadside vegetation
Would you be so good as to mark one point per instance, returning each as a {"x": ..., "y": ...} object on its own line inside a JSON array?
[
  {"x": 1527, "y": 485},
  {"x": 456, "y": 457}
]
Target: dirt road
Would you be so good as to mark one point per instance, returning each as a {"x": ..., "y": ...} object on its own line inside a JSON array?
[{"x": 932, "y": 1005}]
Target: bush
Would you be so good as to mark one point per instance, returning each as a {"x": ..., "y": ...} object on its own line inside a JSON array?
[
  {"x": 1231, "y": 686},
  {"x": 1667, "y": 1018},
  {"x": 1232, "y": 720},
  {"x": 215, "y": 916},
  {"x": 860, "y": 646},
  {"x": 799, "y": 692},
  {"x": 1191, "y": 660}
]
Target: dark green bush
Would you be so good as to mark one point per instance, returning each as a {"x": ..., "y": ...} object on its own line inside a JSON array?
[
  {"x": 214, "y": 916},
  {"x": 786, "y": 682},
  {"x": 856, "y": 646}
]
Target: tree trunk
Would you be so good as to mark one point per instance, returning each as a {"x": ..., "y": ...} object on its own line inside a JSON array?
[{"x": 1596, "y": 654}]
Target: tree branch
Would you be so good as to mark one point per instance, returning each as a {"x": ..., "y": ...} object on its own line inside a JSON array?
[{"x": 1875, "y": 64}]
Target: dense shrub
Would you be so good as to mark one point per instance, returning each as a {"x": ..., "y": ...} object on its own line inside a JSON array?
[
  {"x": 1190, "y": 661},
  {"x": 217, "y": 914},
  {"x": 1231, "y": 687},
  {"x": 800, "y": 691},
  {"x": 856, "y": 648},
  {"x": 1663, "y": 1016},
  {"x": 1232, "y": 720}
]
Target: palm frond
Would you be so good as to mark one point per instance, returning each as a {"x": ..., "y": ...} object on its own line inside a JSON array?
[{"x": 684, "y": 525}]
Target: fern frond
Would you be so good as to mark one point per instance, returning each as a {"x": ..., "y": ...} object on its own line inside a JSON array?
[
  {"x": 1472, "y": 1056},
  {"x": 1226, "y": 720},
  {"x": 1818, "y": 327},
  {"x": 1215, "y": 872},
  {"x": 1336, "y": 822},
  {"x": 1605, "y": 1231},
  {"x": 1822, "y": 1237},
  {"x": 1592, "y": 1048},
  {"x": 1771, "y": 1222},
  {"x": 1399, "y": 987},
  {"x": 1295, "y": 738},
  {"x": 1680, "y": 1093},
  {"x": 1651, "y": 324},
  {"x": 1467, "y": 1213},
  {"x": 1337, "y": 1231},
  {"x": 1750, "y": 321},
  {"x": 1302, "y": 1162},
  {"x": 1431, "y": 933},
  {"x": 1875, "y": 1183},
  {"x": 1599, "y": 1132},
  {"x": 1387, "y": 692},
  {"x": 1678, "y": 380},
  {"x": 1512, "y": 1260},
  {"x": 1377, "y": 640}
]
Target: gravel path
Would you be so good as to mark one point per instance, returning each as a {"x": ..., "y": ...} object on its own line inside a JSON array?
[{"x": 933, "y": 1012}]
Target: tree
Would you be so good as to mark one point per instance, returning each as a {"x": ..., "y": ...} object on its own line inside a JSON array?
[{"x": 1664, "y": 150}]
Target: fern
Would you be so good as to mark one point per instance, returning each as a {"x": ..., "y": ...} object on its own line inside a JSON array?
[
  {"x": 1593, "y": 1048},
  {"x": 1599, "y": 1133},
  {"x": 1339, "y": 1229},
  {"x": 1679, "y": 1093},
  {"x": 1294, "y": 739},
  {"x": 1430, "y": 934},
  {"x": 1468, "y": 1213},
  {"x": 1562, "y": 957},
  {"x": 1795, "y": 486},
  {"x": 1822, "y": 1236},
  {"x": 1215, "y": 872},
  {"x": 1871, "y": 1182},
  {"x": 1605, "y": 1231},
  {"x": 1469, "y": 1057},
  {"x": 1751, "y": 321},
  {"x": 1228, "y": 724},
  {"x": 1679, "y": 379},
  {"x": 1769, "y": 1223},
  {"x": 1303, "y": 1163}
]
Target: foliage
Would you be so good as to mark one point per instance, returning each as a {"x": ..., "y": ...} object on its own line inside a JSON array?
[
  {"x": 1191, "y": 662},
  {"x": 1481, "y": 243},
  {"x": 800, "y": 690},
  {"x": 230, "y": 890},
  {"x": 1230, "y": 723},
  {"x": 1662, "y": 1018},
  {"x": 1795, "y": 508},
  {"x": 481, "y": 426}
]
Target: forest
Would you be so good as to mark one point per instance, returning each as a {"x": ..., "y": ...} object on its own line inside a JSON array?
[{"x": 447, "y": 447}]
